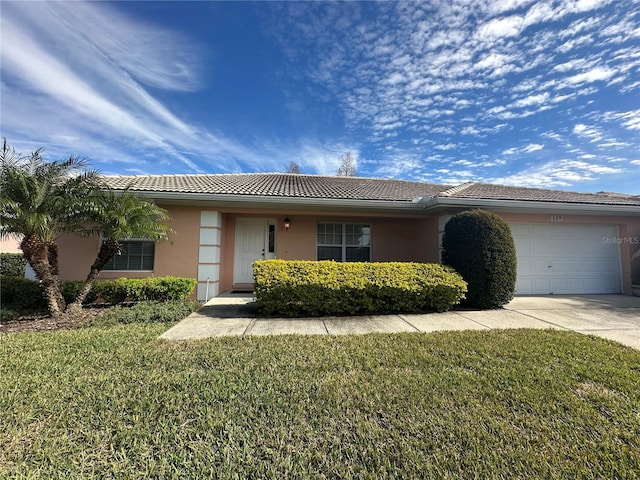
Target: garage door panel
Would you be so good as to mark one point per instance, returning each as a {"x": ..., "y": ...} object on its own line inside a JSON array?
[
  {"x": 542, "y": 285},
  {"x": 524, "y": 285},
  {"x": 566, "y": 259},
  {"x": 540, "y": 266},
  {"x": 540, "y": 248},
  {"x": 536, "y": 230},
  {"x": 525, "y": 267},
  {"x": 574, "y": 266},
  {"x": 575, "y": 284},
  {"x": 557, "y": 267},
  {"x": 600, "y": 269},
  {"x": 559, "y": 285}
]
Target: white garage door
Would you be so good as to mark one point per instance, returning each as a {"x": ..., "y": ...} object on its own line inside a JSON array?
[{"x": 566, "y": 259}]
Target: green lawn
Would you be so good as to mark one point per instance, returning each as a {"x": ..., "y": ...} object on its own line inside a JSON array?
[{"x": 116, "y": 402}]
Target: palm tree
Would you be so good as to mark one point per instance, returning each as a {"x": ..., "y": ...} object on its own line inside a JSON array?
[
  {"x": 118, "y": 216},
  {"x": 39, "y": 201}
]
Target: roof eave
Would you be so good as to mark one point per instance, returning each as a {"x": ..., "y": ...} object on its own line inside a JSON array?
[
  {"x": 270, "y": 202},
  {"x": 530, "y": 206}
]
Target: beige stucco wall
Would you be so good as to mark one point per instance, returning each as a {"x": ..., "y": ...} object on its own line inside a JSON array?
[
  {"x": 392, "y": 239},
  {"x": 179, "y": 257},
  {"x": 10, "y": 245},
  {"x": 411, "y": 238}
]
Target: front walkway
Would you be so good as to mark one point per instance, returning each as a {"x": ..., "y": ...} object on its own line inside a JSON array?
[{"x": 616, "y": 317}]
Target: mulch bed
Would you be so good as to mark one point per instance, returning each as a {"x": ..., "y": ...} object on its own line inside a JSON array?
[{"x": 42, "y": 322}]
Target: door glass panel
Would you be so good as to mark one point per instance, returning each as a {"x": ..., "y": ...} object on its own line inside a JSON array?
[{"x": 272, "y": 238}]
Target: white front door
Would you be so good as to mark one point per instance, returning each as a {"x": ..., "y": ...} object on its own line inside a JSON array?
[{"x": 255, "y": 240}]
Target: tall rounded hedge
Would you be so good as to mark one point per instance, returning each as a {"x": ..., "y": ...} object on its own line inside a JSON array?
[{"x": 479, "y": 246}]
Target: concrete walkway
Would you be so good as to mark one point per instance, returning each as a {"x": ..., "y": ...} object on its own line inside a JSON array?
[{"x": 616, "y": 317}]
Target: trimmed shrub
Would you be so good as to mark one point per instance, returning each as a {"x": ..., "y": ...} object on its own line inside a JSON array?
[
  {"x": 479, "y": 245},
  {"x": 313, "y": 288},
  {"x": 71, "y": 288},
  {"x": 159, "y": 288},
  {"x": 20, "y": 293},
  {"x": 148, "y": 312},
  {"x": 111, "y": 291},
  {"x": 12, "y": 265},
  {"x": 142, "y": 289},
  {"x": 23, "y": 294}
]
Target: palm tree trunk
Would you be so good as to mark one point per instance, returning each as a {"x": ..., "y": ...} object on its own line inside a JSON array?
[
  {"x": 38, "y": 253},
  {"x": 52, "y": 257},
  {"x": 108, "y": 250}
]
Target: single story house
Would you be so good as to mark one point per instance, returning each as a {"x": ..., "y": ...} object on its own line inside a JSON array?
[{"x": 566, "y": 243}]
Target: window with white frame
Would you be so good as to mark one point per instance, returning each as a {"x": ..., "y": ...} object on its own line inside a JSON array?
[
  {"x": 344, "y": 242},
  {"x": 137, "y": 255}
]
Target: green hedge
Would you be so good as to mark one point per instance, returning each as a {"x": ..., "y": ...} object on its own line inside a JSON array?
[
  {"x": 313, "y": 288},
  {"x": 71, "y": 288},
  {"x": 12, "y": 264},
  {"x": 141, "y": 289},
  {"x": 21, "y": 293}
]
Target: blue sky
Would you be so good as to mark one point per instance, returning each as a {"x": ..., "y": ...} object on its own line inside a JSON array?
[{"x": 520, "y": 92}]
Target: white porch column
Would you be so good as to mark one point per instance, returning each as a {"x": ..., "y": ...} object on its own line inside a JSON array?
[{"x": 209, "y": 255}]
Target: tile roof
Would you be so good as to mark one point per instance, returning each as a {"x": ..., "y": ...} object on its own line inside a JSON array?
[
  {"x": 488, "y": 191},
  {"x": 280, "y": 185},
  {"x": 287, "y": 185}
]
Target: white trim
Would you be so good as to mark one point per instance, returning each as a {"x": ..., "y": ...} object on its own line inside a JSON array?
[
  {"x": 210, "y": 239},
  {"x": 343, "y": 244},
  {"x": 263, "y": 201},
  {"x": 415, "y": 206},
  {"x": 210, "y": 219},
  {"x": 129, "y": 271},
  {"x": 511, "y": 205}
]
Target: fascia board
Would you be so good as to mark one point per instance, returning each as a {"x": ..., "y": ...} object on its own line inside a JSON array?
[
  {"x": 531, "y": 206},
  {"x": 298, "y": 203}
]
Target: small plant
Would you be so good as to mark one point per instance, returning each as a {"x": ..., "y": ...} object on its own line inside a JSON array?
[
  {"x": 479, "y": 245},
  {"x": 6, "y": 315},
  {"x": 148, "y": 312}
]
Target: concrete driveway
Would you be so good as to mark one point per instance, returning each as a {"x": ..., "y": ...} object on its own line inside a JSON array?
[{"x": 616, "y": 317}]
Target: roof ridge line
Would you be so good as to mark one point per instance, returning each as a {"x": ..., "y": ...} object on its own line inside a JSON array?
[{"x": 455, "y": 189}]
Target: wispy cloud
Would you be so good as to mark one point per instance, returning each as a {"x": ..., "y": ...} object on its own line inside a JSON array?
[
  {"x": 563, "y": 173},
  {"x": 92, "y": 95},
  {"x": 429, "y": 65},
  {"x": 441, "y": 91},
  {"x": 94, "y": 84}
]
